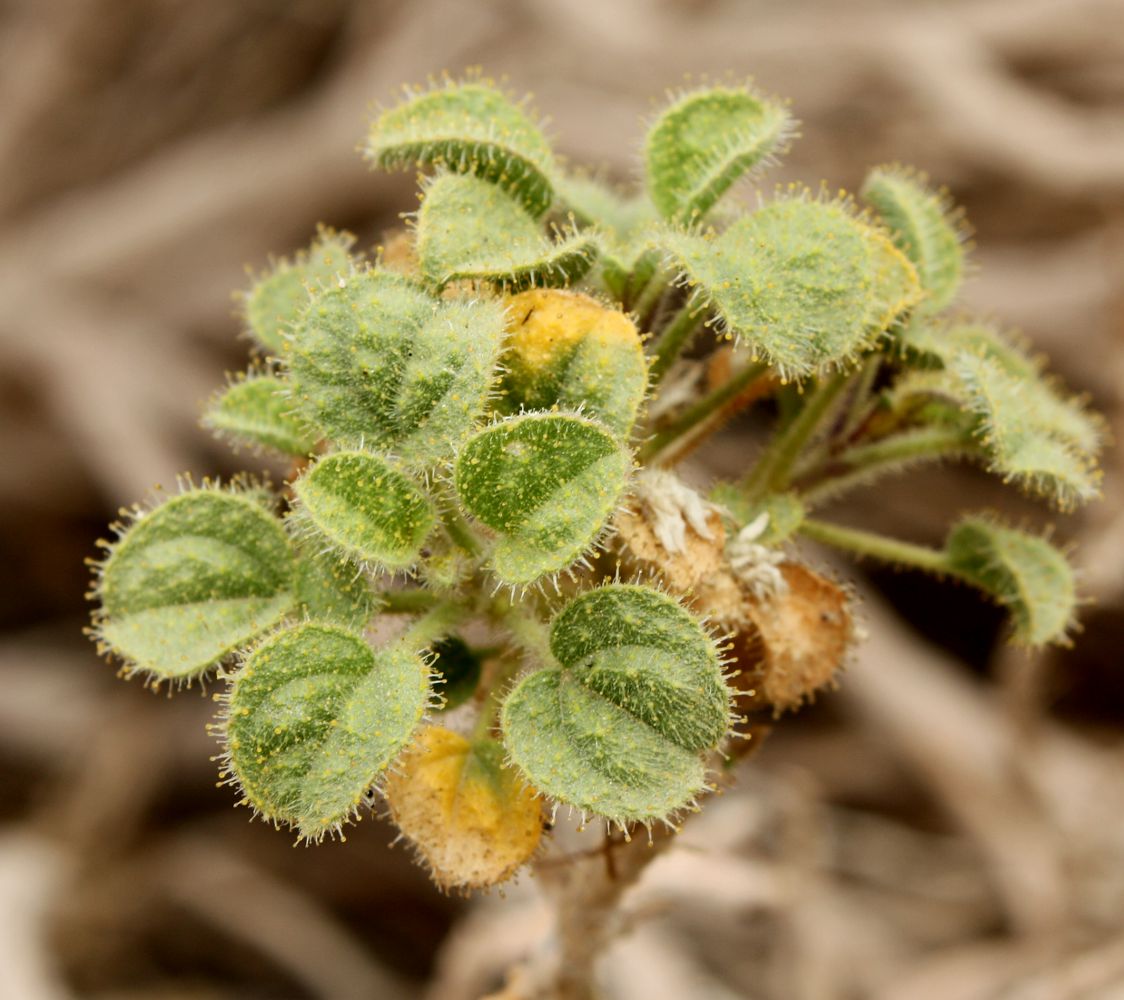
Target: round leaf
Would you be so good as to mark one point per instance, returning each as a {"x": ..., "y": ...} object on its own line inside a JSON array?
[
  {"x": 547, "y": 484},
  {"x": 801, "y": 281},
  {"x": 1023, "y": 572},
  {"x": 276, "y": 300},
  {"x": 707, "y": 140},
  {"x": 314, "y": 718},
  {"x": 257, "y": 411},
  {"x": 469, "y": 127},
  {"x": 472, "y": 819},
  {"x": 379, "y": 361},
  {"x": 923, "y": 228},
  {"x": 470, "y": 230},
  {"x": 567, "y": 350},
  {"x": 366, "y": 508},
  {"x": 619, "y": 727},
  {"x": 192, "y": 581}
]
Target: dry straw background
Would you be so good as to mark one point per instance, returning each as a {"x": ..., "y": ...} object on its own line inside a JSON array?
[{"x": 948, "y": 826}]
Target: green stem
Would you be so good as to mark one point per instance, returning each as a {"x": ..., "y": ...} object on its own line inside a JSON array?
[
  {"x": 459, "y": 530},
  {"x": 647, "y": 300},
  {"x": 407, "y": 602},
  {"x": 490, "y": 707},
  {"x": 772, "y": 471},
  {"x": 857, "y": 410},
  {"x": 673, "y": 339},
  {"x": 642, "y": 278},
  {"x": 867, "y": 543},
  {"x": 436, "y": 622},
  {"x": 858, "y": 465},
  {"x": 697, "y": 413}
]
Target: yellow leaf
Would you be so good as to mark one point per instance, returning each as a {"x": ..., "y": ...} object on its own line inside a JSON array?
[{"x": 472, "y": 819}]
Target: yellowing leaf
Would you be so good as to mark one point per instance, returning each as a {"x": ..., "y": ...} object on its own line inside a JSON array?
[{"x": 473, "y": 820}]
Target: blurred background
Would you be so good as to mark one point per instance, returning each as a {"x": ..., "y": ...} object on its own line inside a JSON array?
[{"x": 949, "y": 824}]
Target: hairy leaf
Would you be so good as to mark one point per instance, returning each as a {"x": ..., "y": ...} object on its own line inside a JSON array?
[
  {"x": 923, "y": 227},
  {"x": 546, "y": 483},
  {"x": 705, "y": 141},
  {"x": 276, "y": 300},
  {"x": 192, "y": 581},
  {"x": 257, "y": 411},
  {"x": 801, "y": 281},
  {"x": 473, "y": 820},
  {"x": 469, "y": 127},
  {"x": 1026, "y": 430},
  {"x": 470, "y": 230},
  {"x": 366, "y": 508},
  {"x": 1023, "y": 572},
  {"x": 567, "y": 350},
  {"x": 314, "y": 717},
  {"x": 617, "y": 729},
  {"x": 380, "y": 363},
  {"x": 623, "y": 224},
  {"x": 332, "y": 588}
]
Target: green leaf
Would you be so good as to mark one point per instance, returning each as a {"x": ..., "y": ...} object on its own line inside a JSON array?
[
  {"x": 331, "y": 588},
  {"x": 801, "y": 281},
  {"x": 470, "y": 230},
  {"x": 366, "y": 508},
  {"x": 1030, "y": 434},
  {"x": 924, "y": 227},
  {"x": 1023, "y": 572},
  {"x": 276, "y": 300},
  {"x": 469, "y": 127},
  {"x": 781, "y": 513},
  {"x": 256, "y": 411},
  {"x": 546, "y": 483},
  {"x": 314, "y": 717},
  {"x": 192, "y": 581},
  {"x": 705, "y": 141},
  {"x": 565, "y": 350},
  {"x": 624, "y": 225},
  {"x": 618, "y": 728},
  {"x": 377, "y": 361}
]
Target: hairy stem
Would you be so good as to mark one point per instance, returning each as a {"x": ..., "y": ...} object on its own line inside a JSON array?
[
  {"x": 860, "y": 399},
  {"x": 867, "y": 543},
  {"x": 773, "y": 469},
  {"x": 700, "y": 411},
  {"x": 859, "y": 465},
  {"x": 435, "y": 623},
  {"x": 407, "y": 602},
  {"x": 674, "y": 338}
]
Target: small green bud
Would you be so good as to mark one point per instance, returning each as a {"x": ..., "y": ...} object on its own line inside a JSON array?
[
  {"x": 546, "y": 483},
  {"x": 618, "y": 728},
  {"x": 924, "y": 227},
  {"x": 366, "y": 508},
  {"x": 192, "y": 581},
  {"x": 314, "y": 717},
  {"x": 1022, "y": 572},
  {"x": 469, "y": 127},
  {"x": 705, "y": 141},
  {"x": 256, "y": 411},
  {"x": 470, "y": 230}
]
